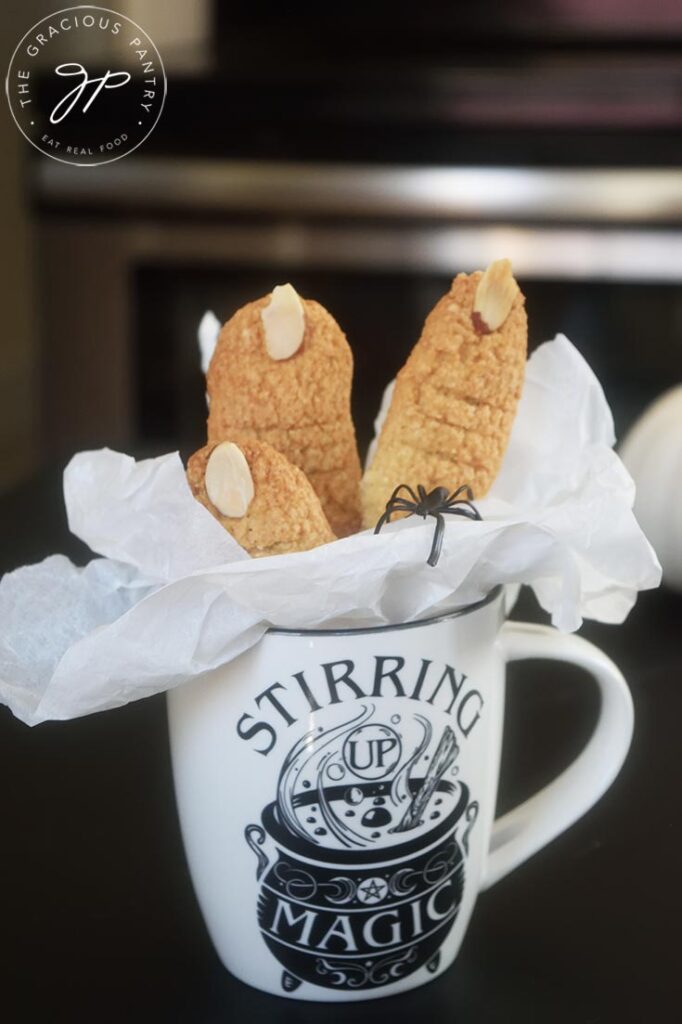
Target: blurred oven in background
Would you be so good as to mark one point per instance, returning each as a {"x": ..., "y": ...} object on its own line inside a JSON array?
[
  {"x": 368, "y": 159},
  {"x": 133, "y": 254}
]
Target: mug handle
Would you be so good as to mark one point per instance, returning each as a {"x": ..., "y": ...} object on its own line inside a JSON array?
[{"x": 525, "y": 829}]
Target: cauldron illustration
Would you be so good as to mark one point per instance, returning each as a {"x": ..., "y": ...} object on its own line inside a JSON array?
[{"x": 358, "y": 919}]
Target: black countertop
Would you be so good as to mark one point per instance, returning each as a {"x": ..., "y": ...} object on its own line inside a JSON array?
[{"x": 99, "y": 921}]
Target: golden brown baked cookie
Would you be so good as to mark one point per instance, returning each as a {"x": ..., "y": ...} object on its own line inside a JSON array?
[
  {"x": 281, "y": 373},
  {"x": 455, "y": 398},
  {"x": 266, "y": 503}
]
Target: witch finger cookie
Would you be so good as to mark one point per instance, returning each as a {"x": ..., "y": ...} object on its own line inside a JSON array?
[
  {"x": 281, "y": 373},
  {"x": 454, "y": 401},
  {"x": 265, "y": 502}
]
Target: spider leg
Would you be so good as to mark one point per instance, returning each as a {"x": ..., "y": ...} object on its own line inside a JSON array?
[
  {"x": 410, "y": 491},
  {"x": 396, "y": 504},
  {"x": 402, "y": 505},
  {"x": 386, "y": 518},
  {"x": 464, "y": 489},
  {"x": 395, "y": 493},
  {"x": 437, "y": 539},
  {"x": 470, "y": 512}
]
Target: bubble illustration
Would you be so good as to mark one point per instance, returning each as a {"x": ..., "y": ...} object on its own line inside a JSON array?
[
  {"x": 376, "y": 817},
  {"x": 353, "y": 795},
  {"x": 364, "y": 781}
]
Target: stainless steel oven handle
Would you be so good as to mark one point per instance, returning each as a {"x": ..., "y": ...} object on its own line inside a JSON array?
[{"x": 556, "y": 195}]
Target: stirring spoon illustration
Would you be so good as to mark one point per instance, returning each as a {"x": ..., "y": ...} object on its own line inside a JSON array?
[{"x": 446, "y": 752}]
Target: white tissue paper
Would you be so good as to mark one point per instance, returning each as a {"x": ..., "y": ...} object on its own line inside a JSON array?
[
  {"x": 207, "y": 336},
  {"x": 175, "y": 596}
]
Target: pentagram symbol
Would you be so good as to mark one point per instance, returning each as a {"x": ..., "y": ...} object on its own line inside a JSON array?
[{"x": 372, "y": 890}]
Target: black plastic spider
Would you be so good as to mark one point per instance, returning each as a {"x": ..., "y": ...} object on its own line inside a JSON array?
[{"x": 436, "y": 503}]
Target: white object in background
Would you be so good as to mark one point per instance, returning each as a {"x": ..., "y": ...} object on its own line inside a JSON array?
[
  {"x": 386, "y": 400},
  {"x": 652, "y": 452},
  {"x": 347, "y": 867},
  {"x": 207, "y": 334}
]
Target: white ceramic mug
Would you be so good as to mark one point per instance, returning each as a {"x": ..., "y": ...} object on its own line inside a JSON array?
[{"x": 336, "y": 792}]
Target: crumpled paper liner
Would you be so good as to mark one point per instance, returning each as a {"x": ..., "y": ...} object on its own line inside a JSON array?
[{"x": 175, "y": 596}]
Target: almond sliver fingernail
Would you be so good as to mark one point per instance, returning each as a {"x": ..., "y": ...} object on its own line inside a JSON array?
[
  {"x": 229, "y": 484},
  {"x": 283, "y": 322}
]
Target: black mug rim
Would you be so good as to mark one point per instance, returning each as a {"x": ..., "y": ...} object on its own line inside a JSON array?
[{"x": 414, "y": 624}]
